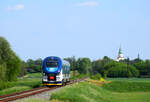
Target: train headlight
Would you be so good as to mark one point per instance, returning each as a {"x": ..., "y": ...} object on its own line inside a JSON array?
[{"x": 45, "y": 78}]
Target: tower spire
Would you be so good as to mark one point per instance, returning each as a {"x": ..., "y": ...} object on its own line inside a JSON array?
[
  {"x": 120, "y": 55},
  {"x": 120, "y": 50}
]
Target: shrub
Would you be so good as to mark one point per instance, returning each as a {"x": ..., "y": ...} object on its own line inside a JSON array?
[
  {"x": 78, "y": 76},
  {"x": 122, "y": 71},
  {"x": 32, "y": 84},
  {"x": 96, "y": 77},
  {"x": 4, "y": 85}
]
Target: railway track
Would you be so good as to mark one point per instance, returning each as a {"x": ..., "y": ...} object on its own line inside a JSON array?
[{"x": 23, "y": 94}]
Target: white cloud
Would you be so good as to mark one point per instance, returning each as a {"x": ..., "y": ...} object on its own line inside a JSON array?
[
  {"x": 16, "y": 7},
  {"x": 89, "y": 3}
]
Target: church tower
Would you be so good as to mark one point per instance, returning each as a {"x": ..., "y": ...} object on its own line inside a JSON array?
[{"x": 120, "y": 55}]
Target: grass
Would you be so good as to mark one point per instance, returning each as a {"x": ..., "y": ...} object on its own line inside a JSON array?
[
  {"x": 131, "y": 97},
  {"x": 28, "y": 82},
  {"x": 31, "y": 80},
  {"x": 34, "y": 75},
  {"x": 130, "y": 79},
  {"x": 34, "y": 82},
  {"x": 4, "y": 85},
  {"x": 125, "y": 86},
  {"x": 14, "y": 89},
  {"x": 117, "y": 91},
  {"x": 82, "y": 92}
]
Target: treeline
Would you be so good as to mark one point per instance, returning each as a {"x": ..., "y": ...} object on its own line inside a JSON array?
[
  {"x": 31, "y": 66},
  {"x": 107, "y": 67},
  {"x": 11, "y": 65}
]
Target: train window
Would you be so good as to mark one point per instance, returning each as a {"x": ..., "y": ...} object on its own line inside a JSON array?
[{"x": 52, "y": 64}]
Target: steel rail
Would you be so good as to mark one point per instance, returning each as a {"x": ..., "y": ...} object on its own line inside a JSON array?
[{"x": 23, "y": 94}]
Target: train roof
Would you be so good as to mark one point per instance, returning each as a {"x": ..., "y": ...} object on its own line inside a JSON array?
[{"x": 55, "y": 57}]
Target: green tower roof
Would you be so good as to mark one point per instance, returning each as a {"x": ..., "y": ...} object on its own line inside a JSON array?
[{"x": 120, "y": 50}]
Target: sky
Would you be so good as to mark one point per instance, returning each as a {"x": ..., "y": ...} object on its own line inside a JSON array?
[{"x": 81, "y": 28}]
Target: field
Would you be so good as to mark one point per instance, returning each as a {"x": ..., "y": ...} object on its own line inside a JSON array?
[
  {"x": 119, "y": 90},
  {"x": 114, "y": 90},
  {"x": 28, "y": 82}
]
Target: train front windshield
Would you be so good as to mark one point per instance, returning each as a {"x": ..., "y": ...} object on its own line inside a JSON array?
[{"x": 52, "y": 64}]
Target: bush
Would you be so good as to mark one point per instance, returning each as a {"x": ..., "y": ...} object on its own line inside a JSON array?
[
  {"x": 4, "y": 85},
  {"x": 32, "y": 84},
  {"x": 78, "y": 76},
  {"x": 121, "y": 70},
  {"x": 96, "y": 77}
]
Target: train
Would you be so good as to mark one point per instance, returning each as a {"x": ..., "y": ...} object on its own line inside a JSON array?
[{"x": 55, "y": 71}]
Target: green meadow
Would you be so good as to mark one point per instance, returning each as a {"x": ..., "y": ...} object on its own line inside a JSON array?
[
  {"x": 113, "y": 90},
  {"x": 28, "y": 82},
  {"x": 119, "y": 90}
]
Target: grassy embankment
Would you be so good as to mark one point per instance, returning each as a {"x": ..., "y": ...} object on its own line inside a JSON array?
[
  {"x": 28, "y": 82},
  {"x": 120, "y": 90}
]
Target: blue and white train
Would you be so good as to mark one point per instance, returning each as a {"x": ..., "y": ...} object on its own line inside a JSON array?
[{"x": 55, "y": 71}]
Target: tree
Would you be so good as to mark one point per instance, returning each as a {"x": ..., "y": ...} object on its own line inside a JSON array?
[
  {"x": 134, "y": 72},
  {"x": 98, "y": 66},
  {"x": 117, "y": 69},
  {"x": 147, "y": 62},
  {"x": 38, "y": 64},
  {"x": 13, "y": 66},
  {"x": 23, "y": 69},
  {"x": 10, "y": 63},
  {"x": 3, "y": 72},
  {"x": 84, "y": 65},
  {"x": 34, "y": 66},
  {"x": 72, "y": 62},
  {"x": 141, "y": 66}
]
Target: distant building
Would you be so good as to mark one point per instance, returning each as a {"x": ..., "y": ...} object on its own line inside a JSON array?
[{"x": 120, "y": 55}]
